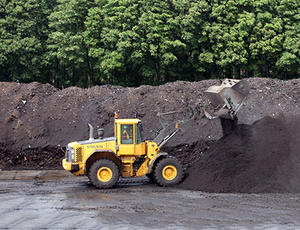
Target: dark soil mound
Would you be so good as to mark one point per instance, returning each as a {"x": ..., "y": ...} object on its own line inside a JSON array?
[
  {"x": 36, "y": 115},
  {"x": 262, "y": 157},
  {"x": 189, "y": 153},
  {"x": 37, "y": 119},
  {"x": 36, "y": 158}
]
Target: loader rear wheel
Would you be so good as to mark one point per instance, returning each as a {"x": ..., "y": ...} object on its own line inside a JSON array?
[
  {"x": 168, "y": 171},
  {"x": 104, "y": 173}
]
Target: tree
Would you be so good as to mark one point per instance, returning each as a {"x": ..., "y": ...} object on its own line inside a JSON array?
[
  {"x": 23, "y": 29},
  {"x": 266, "y": 38},
  {"x": 138, "y": 41},
  {"x": 67, "y": 48},
  {"x": 289, "y": 59},
  {"x": 134, "y": 42}
]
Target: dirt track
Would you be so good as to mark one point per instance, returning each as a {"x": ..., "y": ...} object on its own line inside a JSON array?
[{"x": 57, "y": 200}]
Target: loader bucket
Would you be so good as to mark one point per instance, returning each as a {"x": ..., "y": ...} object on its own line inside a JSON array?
[{"x": 227, "y": 97}]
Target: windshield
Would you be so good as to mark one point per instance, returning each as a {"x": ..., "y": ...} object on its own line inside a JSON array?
[{"x": 127, "y": 134}]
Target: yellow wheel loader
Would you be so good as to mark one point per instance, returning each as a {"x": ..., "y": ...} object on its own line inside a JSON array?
[
  {"x": 125, "y": 155},
  {"x": 104, "y": 160}
]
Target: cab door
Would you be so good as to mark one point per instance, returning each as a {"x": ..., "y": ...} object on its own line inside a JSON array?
[
  {"x": 126, "y": 141},
  {"x": 140, "y": 147}
]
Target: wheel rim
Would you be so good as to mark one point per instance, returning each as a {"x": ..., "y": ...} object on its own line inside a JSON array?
[
  {"x": 104, "y": 174},
  {"x": 169, "y": 172}
]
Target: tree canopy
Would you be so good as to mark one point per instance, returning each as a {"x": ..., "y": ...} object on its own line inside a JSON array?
[{"x": 134, "y": 42}]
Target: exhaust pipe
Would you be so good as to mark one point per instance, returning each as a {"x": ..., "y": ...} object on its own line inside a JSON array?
[{"x": 91, "y": 132}]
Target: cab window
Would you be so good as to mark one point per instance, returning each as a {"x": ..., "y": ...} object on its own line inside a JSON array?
[
  {"x": 126, "y": 134},
  {"x": 138, "y": 133}
]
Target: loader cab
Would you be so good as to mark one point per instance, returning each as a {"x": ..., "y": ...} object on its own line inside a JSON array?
[{"x": 129, "y": 138}]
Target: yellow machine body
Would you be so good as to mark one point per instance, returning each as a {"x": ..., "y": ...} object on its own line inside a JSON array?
[{"x": 126, "y": 149}]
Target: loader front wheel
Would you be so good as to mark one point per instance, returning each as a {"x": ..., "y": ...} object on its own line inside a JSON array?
[
  {"x": 104, "y": 173},
  {"x": 168, "y": 171},
  {"x": 151, "y": 177}
]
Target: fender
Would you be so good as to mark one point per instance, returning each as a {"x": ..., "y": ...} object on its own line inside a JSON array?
[
  {"x": 159, "y": 155},
  {"x": 116, "y": 159}
]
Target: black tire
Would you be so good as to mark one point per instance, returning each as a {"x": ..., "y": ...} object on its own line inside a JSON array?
[
  {"x": 99, "y": 169},
  {"x": 161, "y": 168},
  {"x": 151, "y": 177}
]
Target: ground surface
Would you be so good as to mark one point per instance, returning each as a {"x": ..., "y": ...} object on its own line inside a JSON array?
[{"x": 58, "y": 200}]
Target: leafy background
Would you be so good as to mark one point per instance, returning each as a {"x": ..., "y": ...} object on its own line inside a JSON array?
[{"x": 134, "y": 42}]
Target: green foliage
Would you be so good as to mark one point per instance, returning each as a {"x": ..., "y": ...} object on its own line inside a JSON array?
[
  {"x": 66, "y": 46},
  {"x": 134, "y": 42},
  {"x": 23, "y": 30},
  {"x": 289, "y": 58}
]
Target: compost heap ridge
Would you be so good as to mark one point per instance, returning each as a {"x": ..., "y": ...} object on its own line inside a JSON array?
[
  {"x": 38, "y": 115},
  {"x": 262, "y": 157}
]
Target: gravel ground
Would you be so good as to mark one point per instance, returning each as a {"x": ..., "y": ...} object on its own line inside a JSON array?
[{"x": 57, "y": 200}]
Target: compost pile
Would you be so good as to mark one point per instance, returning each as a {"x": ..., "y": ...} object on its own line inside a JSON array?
[
  {"x": 262, "y": 157},
  {"x": 36, "y": 120}
]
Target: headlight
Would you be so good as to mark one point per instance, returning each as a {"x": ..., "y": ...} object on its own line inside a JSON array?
[{"x": 72, "y": 155}]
